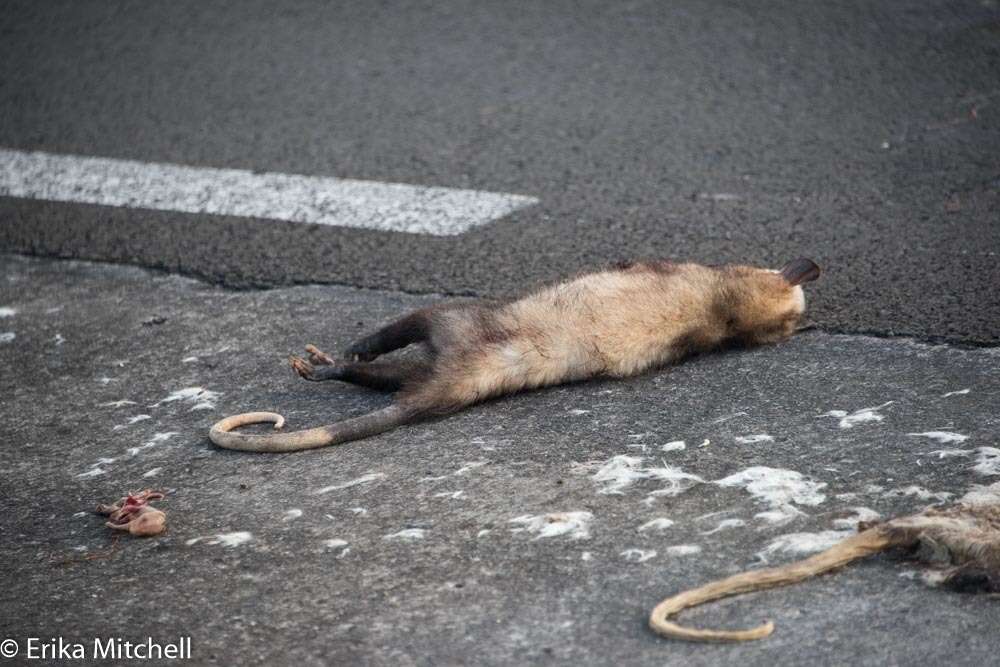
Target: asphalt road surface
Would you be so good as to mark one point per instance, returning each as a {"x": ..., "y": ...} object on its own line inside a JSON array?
[
  {"x": 363, "y": 159},
  {"x": 538, "y": 529}
]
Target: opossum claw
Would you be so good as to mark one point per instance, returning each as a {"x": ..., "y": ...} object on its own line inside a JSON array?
[
  {"x": 319, "y": 357},
  {"x": 300, "y": 366},
  {"x": 309, "y": 372}
]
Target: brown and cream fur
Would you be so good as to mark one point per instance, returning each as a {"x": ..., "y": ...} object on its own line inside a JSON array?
[
  {"x": 963, "y": 540},
  {"x": 614, "y": 323}
]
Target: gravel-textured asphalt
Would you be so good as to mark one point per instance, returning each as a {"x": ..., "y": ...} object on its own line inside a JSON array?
[
  {"x": 864, "y": 135},
  {"x": 429, "y": 545}
]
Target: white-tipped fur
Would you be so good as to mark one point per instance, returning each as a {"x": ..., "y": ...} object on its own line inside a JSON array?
[{"x": 800, "y": 298}]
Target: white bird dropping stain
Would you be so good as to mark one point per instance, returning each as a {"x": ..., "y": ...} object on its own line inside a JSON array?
[
  {"x": 225, "y": 539},
  {"x": 472, "y": 465},
  {"x": 407, "y": 535},
  {"x": 132, "y": 420},
  {"x": 575, "y": 525},
  {"x": 956, "y": 393},
  {"x": 951, "y": 453},
  {"x": 198, "y": 397},
  {"x": 638, "y": 555},
  {"x": 753, "y": 439},
  {"x": 858, "y": 416},
  {"x": 155, "y": 440},
  {"x": 117, "y": 404},
  {"x": 661, "y": 523},
  {"x": 232, "y": 539},
  {"x": 726, "y": 524},
  {"x": 364, "y": 479}
]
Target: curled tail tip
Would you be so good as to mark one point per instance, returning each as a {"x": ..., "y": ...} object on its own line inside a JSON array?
[
  {"x": 221, "y": 435},
  {"x": 337, "y": 433},
  {"x": 235, "y": 421}
]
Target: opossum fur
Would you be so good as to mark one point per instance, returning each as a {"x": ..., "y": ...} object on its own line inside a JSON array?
[{"x": 616, "y": 322}]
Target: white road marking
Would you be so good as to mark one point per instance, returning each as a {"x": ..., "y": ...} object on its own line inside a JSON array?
[{"x": 237, "y": 192}]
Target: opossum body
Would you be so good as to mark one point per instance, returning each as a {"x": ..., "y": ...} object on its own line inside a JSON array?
[
  {"x": 964, "y": 539},
  {"x": 617, "y": 323}
]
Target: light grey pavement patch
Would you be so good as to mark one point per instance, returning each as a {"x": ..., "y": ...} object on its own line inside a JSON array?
[
  {"x": 392, "y": 207},
  {"x": 327, "y": 588}
]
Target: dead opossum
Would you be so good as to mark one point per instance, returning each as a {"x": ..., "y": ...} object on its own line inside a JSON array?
[
  {"x": 616, "y": 323},
  {"x": 963, "y": 539}
]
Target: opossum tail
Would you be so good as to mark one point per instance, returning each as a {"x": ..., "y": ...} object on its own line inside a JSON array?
[
  {"x": 862, "y": 545},
  {"x": 334, "y": 434}
]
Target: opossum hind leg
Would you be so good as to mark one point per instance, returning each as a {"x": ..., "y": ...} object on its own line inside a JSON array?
[
  {"x": 379, "y": 375},
  {"x": 412, "y": 328}
]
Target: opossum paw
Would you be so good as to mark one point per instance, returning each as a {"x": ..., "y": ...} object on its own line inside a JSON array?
[
  {"x": 319, "y": 357},
  {"x": 312, "y": 373},
  {"x": 302, "y": 367}
]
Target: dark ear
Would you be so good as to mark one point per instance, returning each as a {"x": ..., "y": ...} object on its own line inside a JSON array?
[{"x": 800, "y": 271}]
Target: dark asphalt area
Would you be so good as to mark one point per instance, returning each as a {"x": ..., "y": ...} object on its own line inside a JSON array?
[
  {"x": 865, "y": 135},
  {"x": 539, "y": 528},
  {"x": 440, "y": 553}
]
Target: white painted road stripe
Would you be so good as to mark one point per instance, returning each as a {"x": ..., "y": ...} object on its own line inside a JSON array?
[{"x": 326, "y": 201}]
